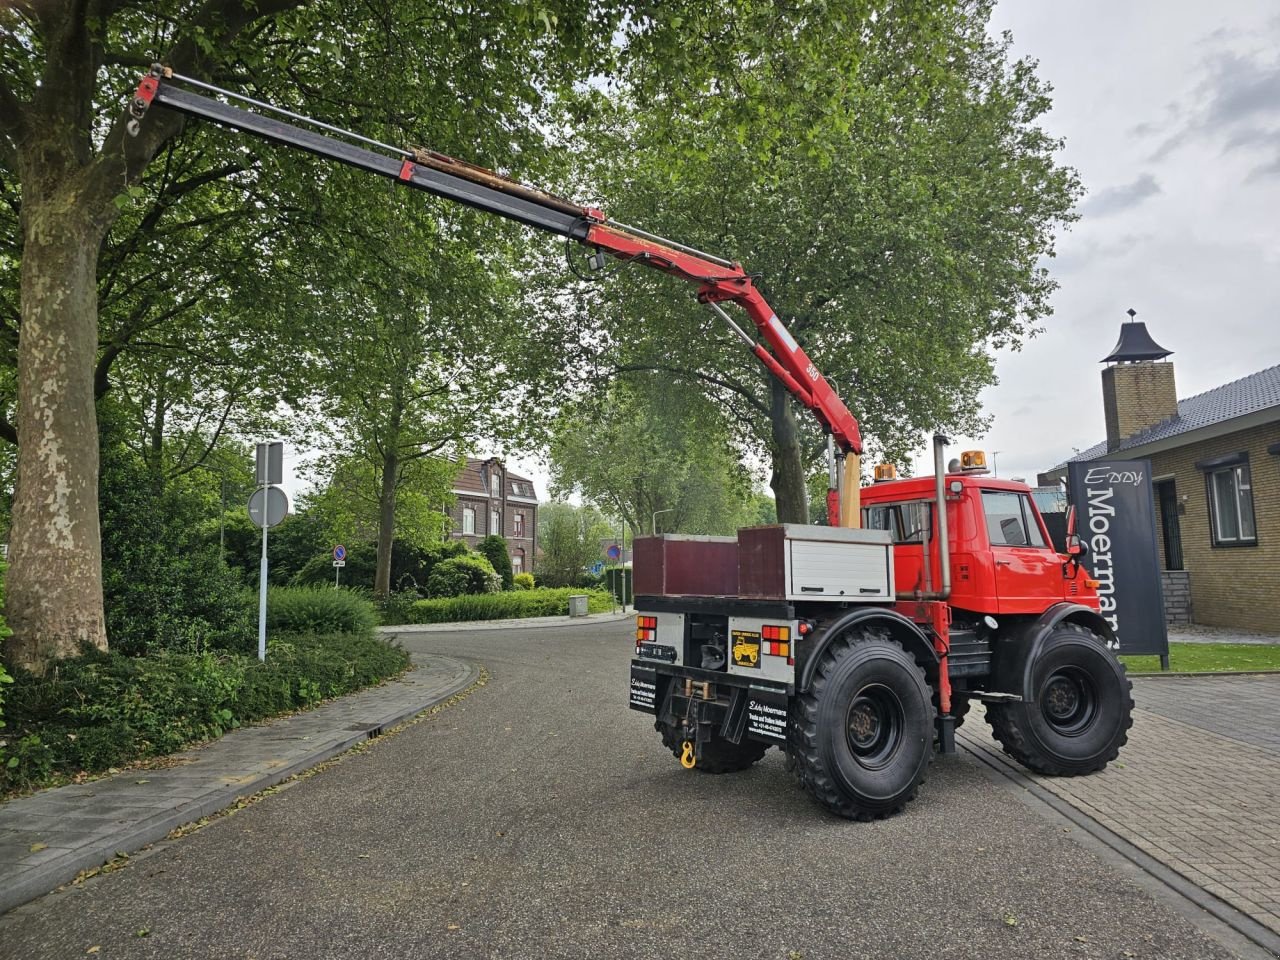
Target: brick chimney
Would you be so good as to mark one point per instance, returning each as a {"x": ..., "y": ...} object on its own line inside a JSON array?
[{"x": 1138, "y": 390}]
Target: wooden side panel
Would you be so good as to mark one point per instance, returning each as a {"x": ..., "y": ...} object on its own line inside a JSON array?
[
  {"x": 685, "y": 566},
  {"x": 762, "y": 563}
]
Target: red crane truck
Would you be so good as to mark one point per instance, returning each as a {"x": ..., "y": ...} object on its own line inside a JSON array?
[{"x": 855, "y": 647}]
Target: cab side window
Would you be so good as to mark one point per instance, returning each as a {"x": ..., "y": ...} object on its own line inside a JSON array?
[
  {"x": 1010, "y": 520},
  {"x": 906, "y": 522}
]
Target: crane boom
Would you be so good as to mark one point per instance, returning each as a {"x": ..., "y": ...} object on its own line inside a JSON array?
[{"x": 717, "y": 280}]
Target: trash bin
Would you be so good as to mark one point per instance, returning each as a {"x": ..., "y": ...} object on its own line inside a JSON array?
[{"x": 578, "y": 605}]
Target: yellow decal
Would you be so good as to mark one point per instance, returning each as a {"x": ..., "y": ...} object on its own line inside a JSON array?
[{"x": 746, "y": 649}]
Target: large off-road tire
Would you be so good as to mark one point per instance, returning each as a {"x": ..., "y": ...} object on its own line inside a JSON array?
[
  {"x": 861, "y": 736},
  {"x": 1081, "y": 711},
  {"x": 717, "y": 756}
]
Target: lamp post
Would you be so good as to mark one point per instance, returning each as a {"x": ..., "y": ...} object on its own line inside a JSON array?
[{"x": 655, "y": 518}]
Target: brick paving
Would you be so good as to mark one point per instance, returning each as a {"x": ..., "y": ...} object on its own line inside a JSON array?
[{"x": 1197, "y": 787}]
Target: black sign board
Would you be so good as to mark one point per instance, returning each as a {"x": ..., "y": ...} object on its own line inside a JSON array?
[
  {"x": 767, "y": 715},
  {"x": 644, "y": 689},
  {"x": 1116, "y": 520}
]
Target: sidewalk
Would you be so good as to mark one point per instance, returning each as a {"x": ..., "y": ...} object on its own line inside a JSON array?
[
  {"x": 1197, "y": 633},
  {"x": 526, "y": 623},
  {"x": 1196, "y": 789},
  {"x": 50, "y": 837}
]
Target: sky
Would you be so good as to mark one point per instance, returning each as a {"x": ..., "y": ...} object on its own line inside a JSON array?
[
  {"x": 1170, "y": 110},
  {"x": 1171, "y": 114}
]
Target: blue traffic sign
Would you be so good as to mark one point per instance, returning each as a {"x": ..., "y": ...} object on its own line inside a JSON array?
[
  {"x": 597, "y": 568},
  {"x": 339, "y": 552},
  {"x": 614, "y": 552}
]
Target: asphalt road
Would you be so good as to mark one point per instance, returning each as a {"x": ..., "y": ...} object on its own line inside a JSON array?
[{"x": 541, "y": 818}]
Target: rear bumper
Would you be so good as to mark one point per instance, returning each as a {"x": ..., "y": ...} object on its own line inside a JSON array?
[{"x": 733, "y": 707}]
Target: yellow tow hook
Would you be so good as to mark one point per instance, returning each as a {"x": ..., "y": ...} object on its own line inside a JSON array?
[{"x": 687, "y": 759}]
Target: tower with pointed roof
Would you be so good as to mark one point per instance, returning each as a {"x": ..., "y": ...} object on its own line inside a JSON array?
[{"x": 1138, "y": 389}]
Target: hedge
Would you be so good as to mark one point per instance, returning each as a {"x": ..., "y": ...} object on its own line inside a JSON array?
[
  {"x": 512, "y": 605},
  {"x": 103, "y": 710},
  {"x": 319, "y": 610}
]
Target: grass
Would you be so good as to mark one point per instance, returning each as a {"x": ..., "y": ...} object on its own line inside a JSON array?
[{"x": 1210, "y": 658}]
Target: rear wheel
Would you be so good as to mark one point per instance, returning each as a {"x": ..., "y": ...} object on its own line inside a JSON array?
[
  {"x": 717, "y": 755},
  {"x": 1081, "y": 709},
  {"x": 861, "y": 736}
]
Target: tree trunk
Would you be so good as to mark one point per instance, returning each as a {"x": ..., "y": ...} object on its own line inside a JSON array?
[
  {"x": 788, "y": 479},
  {"x": 386, "y": 522},
  {"x": 54, "y": 585}
]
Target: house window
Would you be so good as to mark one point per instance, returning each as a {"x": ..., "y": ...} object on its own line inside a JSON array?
[
  {"x": 495, "y": 486},
  {"x": 1231, "y": 505},
  {"x": 517, "y": 562},
  {"x": 518, "y": 527},
  {"x": 468, "y": 521},
  {"x": 495, "y": 522}
]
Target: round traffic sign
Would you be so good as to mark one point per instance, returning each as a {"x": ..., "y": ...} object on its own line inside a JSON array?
[
  {"x": 339, "y": 552},
  {"x": 277, "y": 506},
  {"x": 614, "y": 552}
]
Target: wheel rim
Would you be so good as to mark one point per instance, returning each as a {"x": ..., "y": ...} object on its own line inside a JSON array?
[
  {"x": 873, "y": 726},
  {"x": 1069, "y": 700}
]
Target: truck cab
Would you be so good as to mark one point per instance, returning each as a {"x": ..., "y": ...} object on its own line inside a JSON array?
[{"x": 1002, "y": 560}]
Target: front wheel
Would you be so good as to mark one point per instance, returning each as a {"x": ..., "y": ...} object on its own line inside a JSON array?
[
  {"x": 1081, "y": 711},
  {"x": 862, "y": 735}
]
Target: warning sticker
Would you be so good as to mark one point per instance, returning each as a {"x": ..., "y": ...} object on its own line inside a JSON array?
[{"x": 746, "y": 649}]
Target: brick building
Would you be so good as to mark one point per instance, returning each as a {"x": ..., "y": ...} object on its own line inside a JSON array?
[
  {"x": 492, "y": 499},
  {"x": 1215, "y": 467}
]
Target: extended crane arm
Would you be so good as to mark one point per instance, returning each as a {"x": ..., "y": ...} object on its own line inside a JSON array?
[{"x": 717, "y": 280}]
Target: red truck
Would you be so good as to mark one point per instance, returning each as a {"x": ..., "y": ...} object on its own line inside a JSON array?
[{"x": 854, "y": 646}]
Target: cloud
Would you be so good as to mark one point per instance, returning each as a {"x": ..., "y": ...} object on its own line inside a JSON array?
[
  {"x": 1114, "y": 200},
  {"x": 1237, "y": 104}
]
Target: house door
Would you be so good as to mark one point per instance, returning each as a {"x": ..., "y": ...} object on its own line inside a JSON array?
[{"x": 1167, "y": 497}]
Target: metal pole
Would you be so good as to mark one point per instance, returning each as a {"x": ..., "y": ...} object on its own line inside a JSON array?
[
  {"x": 655, "y": 518},
  {"x": 262, "y": 585},
  {"x": 622, "y": 564},
  {"x": 222, "y": 518}
]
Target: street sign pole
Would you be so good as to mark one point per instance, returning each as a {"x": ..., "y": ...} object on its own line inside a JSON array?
[{"x": 262, "y": 588}]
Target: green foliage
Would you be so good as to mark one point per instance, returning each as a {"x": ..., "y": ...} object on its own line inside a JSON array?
[
  {"x": 411, "y": 565},
  {"x": 510, "y": 605},
  {"x": 655, "y": 452},
  {"x": 463, "y": 575},
  {"x": 494, "y": 549},
  {"x": 522, "y": 581},
  {"x": 618, "y": 582},
  {"x": 319, "y": 610},
  {"x": 4, "y": 626},
  {"x": 570, "y": 540},
  {"x": 163, "y": 587},
  {"x": 105, "y": 710}
]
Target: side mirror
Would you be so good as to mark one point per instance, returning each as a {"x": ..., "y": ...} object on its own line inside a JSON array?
[
  {"x": 1075, "y": 546},
  {"x": 1071, "y": 523}
]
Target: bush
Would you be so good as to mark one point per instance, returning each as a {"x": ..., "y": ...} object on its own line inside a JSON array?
[
  {"x": 162, "y": 588},
  {"x": 522, "y": 581},
  {"x": 494, "y": 549},
  {"x": 514, "y": 604},
  {"x": 319, "y": 610},
  {"x": 463, "y": 575},
  {"x": 395, "y": 608},
  {"x": 105, "y": 710}
]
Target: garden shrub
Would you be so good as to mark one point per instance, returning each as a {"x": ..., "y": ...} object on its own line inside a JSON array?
[
  {"x": 494, "y": 549},
  {"x": 104, "y": 710},
  {"x": 513, "y": 604},
  {"x": 463, "y": 575},
  {"x": 522, "y": 581},
  {"x": 319, "y": 610}
]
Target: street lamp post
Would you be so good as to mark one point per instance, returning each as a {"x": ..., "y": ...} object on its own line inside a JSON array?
[{"x": 655, "y": 518}]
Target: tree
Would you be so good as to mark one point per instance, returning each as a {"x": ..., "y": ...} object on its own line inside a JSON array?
[
  {"x": 66, "y": 68},
  {"x": 494, "y": 549},
  {"x": 901, "y": 250},
  {"x": 650, "y": 446},
  {"x": 569, "y": 539}
]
